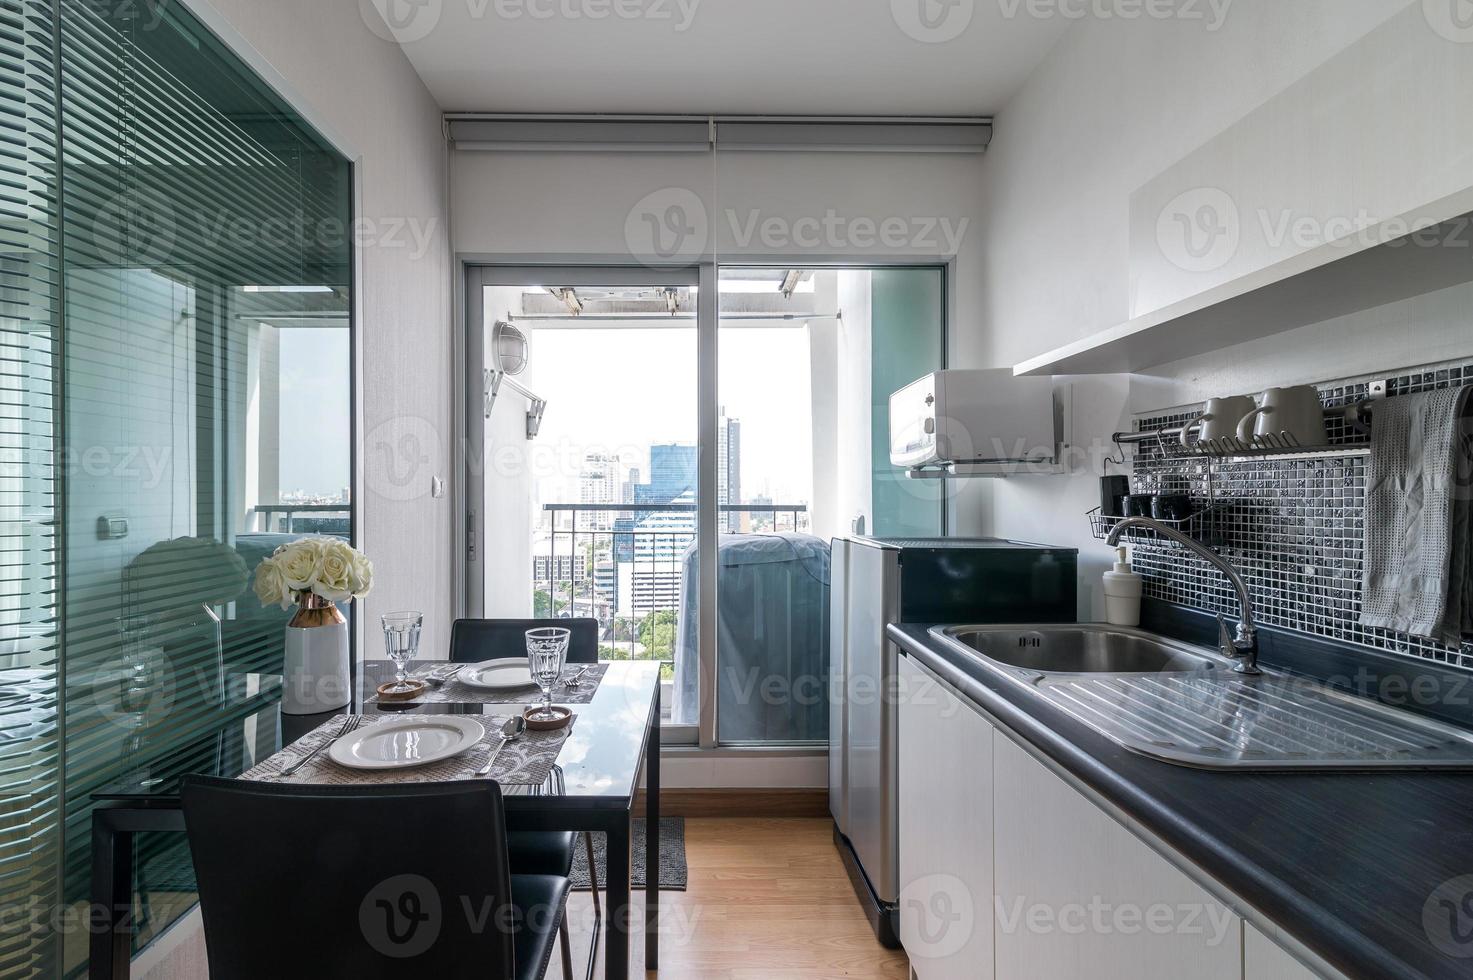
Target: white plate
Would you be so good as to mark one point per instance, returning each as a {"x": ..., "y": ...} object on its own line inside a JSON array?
[
  {"x": 497, "y": 675},
  {"x": 405, "y": 742}
]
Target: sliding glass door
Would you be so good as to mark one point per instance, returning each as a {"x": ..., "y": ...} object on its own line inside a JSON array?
[
  {"x": 808, "y": 358},
  {"x": 583, "y": 484},
  {"x": 589, "y": 428}
]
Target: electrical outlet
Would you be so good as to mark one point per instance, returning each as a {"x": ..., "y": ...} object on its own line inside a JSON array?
[{"x": 111, "y": 528}]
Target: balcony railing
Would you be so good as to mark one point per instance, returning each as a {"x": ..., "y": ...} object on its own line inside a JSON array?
[
  {"x": 623, "y": 564},
  {"x": 333, "y": 519}
]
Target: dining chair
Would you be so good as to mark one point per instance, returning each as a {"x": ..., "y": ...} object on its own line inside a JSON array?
[
  {"x": 305, "y": 881},
  {"x": 546, "y": 852},
  {"x": 475, "y": 640}
]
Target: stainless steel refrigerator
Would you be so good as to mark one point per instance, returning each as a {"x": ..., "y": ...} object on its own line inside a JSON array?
[{"x": 930, "y": 581}]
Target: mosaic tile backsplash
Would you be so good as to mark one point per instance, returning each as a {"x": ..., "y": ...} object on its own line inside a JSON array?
[{"x": 1294, "y": 527}]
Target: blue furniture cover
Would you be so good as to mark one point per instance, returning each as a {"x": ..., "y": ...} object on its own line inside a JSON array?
[{"x": 772, "y": 639}]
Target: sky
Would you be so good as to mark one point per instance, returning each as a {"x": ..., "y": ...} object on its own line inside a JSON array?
[
  {"x": 314, "y": 372},
  {"x": 620, "y": 390}
]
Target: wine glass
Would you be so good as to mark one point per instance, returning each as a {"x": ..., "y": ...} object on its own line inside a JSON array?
[
  {"x": 547, "y": 650},
  {"x": 401, "y": 642}
]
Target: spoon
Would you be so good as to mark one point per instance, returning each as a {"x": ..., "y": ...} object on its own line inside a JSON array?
[{"x": 511, "y": 730}]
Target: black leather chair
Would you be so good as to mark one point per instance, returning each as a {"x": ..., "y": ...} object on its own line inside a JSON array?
[
  {"x": 365, "y": 882},
  {"x": 475, "y": 640},
  {"x": 539, "y": 852}
]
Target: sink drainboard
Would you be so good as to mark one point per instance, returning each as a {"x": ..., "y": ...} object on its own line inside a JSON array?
[{"x": 1214, "y": 721}]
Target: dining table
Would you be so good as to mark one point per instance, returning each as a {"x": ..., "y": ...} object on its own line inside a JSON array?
[{"x": 610, "y": 754}]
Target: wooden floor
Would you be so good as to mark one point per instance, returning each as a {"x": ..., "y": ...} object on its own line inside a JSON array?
[{"x": 768, "y": 900}]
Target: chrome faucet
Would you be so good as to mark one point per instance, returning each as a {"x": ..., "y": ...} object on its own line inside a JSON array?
[{"x": 1243, "y": 645}]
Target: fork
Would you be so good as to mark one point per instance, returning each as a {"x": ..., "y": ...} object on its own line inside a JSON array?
[
  {"x": 442, "y": 678},
  {"x": 348, "y": 726}
]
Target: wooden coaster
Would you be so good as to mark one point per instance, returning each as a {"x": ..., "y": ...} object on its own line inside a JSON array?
[
  {"x": 386, "y": 692},
  {"x": 563, "y": 716}
]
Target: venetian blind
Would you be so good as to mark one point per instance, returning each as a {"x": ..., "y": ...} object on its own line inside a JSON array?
[{"x": 29, "y": 284}]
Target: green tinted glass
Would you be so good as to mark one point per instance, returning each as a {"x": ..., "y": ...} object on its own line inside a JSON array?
[{"x": 206, "y": 400}]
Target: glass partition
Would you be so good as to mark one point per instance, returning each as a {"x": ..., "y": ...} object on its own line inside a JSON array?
[{"x": 206, "y": 403}]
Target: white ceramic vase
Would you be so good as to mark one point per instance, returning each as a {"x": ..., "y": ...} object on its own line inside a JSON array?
[{"x": 316, "y": 676}]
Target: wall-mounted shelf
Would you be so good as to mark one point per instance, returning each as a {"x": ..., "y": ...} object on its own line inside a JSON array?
[{"x": 1371, "y": 268}]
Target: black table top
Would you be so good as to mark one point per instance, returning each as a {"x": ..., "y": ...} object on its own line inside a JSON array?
[
  {"x": 1345, "y": 863},
  {"x": 599, "y": 763}
]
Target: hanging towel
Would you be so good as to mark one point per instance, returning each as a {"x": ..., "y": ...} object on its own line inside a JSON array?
[{"x": 1419, "y": 517}]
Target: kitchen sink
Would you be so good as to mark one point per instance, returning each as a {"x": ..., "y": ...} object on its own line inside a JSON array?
[
  {"x": 1175, "y": 702},
  {"x": 1078, "y": 649}
]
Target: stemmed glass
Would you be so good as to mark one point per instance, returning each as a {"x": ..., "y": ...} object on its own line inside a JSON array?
[
  {"x": 401, "y": 642},
  {"x": 547, "y": 650}
]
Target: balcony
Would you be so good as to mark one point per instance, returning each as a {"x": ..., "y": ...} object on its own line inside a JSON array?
[{"x": 624, "y": 565}]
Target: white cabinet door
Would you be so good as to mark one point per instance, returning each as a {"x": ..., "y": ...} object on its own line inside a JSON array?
[
  {"x": 1081, "y": 898},
  {"x": 1264, "y": 959},
  {"x": 945, "y": 788}
]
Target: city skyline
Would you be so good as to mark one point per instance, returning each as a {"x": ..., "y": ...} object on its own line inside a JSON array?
[{"x": 620, "y": 391}]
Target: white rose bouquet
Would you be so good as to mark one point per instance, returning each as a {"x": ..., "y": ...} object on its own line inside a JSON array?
[{"x": 326, "y": 567}]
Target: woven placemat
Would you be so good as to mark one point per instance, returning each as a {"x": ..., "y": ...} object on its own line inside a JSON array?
[
  {"x": 454, "y": 692},
  {"x": 527, "y": 759}
]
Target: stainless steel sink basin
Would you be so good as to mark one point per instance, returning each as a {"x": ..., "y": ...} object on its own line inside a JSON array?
[
  {"x": 1174, "y": 702},
  {"x": 1078, "y": 649}
]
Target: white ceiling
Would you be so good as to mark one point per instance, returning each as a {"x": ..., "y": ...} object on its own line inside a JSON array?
[{"x": 840, "y": 57}]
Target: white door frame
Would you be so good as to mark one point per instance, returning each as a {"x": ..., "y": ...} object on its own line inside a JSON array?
[{"x": 471, "y": 440}]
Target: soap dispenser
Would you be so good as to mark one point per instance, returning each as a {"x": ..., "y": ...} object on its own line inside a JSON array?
[{"x": 1122, "y": 592}]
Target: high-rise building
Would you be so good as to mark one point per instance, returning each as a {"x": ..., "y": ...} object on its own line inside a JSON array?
[
  {"x": 658, "y": 560},
  {"x": 672, "y": 473},
  {"x": 598, "y": 483},
  {"x": 729, "y": 471}
]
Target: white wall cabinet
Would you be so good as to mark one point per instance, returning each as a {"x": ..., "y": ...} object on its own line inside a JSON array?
[
  {"x": 1079, "y": 896},
  {"x": 945, "y": 831},
  {"x": 1264, "y": 959}
]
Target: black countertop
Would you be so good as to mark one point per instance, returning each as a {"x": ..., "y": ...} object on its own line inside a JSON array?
[{"x": 1345, "y": 863}]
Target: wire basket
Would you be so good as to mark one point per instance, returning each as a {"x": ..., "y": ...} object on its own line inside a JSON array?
[{"x": 1200, "y": 526}]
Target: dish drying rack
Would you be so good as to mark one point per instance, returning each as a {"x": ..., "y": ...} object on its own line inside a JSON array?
[
  {"x": 1169, "y": 439},
  {"x": 1200, "y": 526}
]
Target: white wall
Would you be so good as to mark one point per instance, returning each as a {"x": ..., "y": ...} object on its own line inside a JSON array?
[
  {"x": 361, "y": 90},
  {"x": 509, "y": 484},
  {"x": 1117, "y": 105}
]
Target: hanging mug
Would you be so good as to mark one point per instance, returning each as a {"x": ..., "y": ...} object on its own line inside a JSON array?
[
  {"x": 1286, "y": 418},
  {"x": 1218, "y": 424}
]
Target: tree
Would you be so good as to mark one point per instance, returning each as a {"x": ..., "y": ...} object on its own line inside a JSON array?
[
  {"x": 657, "y": 634},
  {"x": 546, "y": 606}
]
